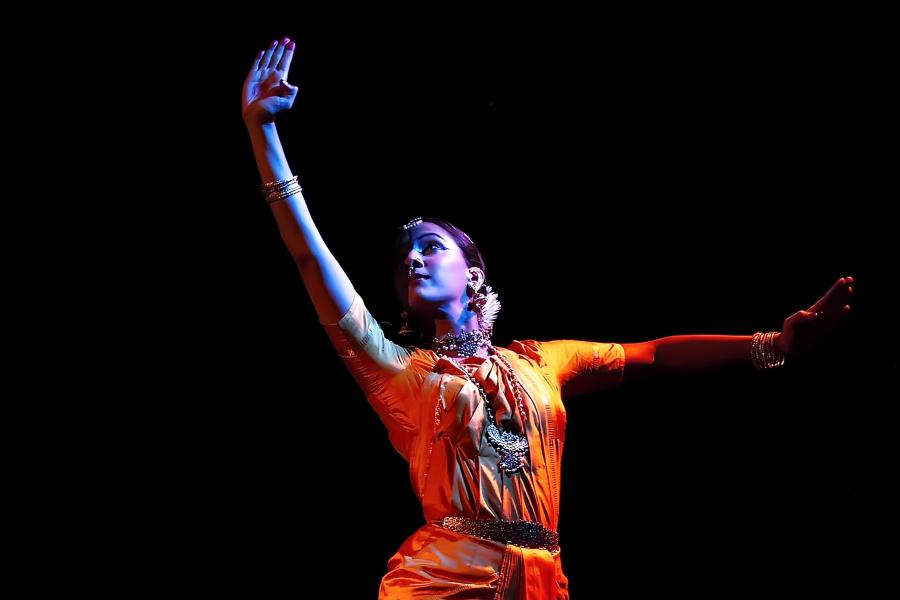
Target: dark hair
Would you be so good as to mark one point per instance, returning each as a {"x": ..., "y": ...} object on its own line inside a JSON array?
[{"x": 469, "y": 250}]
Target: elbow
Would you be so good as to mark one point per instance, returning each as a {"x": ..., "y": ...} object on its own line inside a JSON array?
[
  {"x": 640, "y": 361},
  {"x": 642, "y": 354}
]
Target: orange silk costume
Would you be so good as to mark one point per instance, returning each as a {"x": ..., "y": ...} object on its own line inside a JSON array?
[{"x": 435, "y": 420}]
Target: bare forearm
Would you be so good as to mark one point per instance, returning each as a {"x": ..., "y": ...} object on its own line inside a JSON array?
[
  {"x": 292, "y": 215},
  {"x": 691, "y": 353},
  {"x": 268, "y": 151},
  {"x": 800, "y": 333},
  {"x": 328, "y": 285}
]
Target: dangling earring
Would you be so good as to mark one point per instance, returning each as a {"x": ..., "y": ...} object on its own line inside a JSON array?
[
  {"x": 486, "y": 306},
  {"x": 476, "y": 302}
]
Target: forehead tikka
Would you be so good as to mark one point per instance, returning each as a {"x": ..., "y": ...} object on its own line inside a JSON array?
[{"x": 413, "y": 223}]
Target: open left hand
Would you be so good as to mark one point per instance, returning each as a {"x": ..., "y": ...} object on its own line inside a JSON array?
[{"x": 806, "y": 329}]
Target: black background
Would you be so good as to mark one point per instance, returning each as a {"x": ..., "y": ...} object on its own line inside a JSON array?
[{"x": 627, "y": 173}]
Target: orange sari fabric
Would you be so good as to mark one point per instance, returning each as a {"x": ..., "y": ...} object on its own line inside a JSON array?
[{"x": 435, "y": 419}]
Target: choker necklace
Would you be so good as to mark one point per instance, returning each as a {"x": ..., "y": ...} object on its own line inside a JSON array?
[
  {"x": 511, "y": 447},
  {"x": 466, "y": 343}
]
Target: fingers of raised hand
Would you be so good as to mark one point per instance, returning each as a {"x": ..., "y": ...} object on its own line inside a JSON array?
[
  {"x": 285, "y": 63},
  {"x": 278, "y": 53},
  {"x": 276, "y": 57},
  {"x": 267, "y": 57},
  {"x": 257, "y": 60}
]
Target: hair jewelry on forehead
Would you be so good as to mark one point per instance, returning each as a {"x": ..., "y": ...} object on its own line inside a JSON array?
[{"x": 412, "y": 223}]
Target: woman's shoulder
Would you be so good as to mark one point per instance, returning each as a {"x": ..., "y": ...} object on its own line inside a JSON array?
[
  {"x": 421, "y": 359},
  {"x": 531, "y": 349}
]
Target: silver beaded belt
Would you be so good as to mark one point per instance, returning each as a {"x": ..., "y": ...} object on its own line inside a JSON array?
[{"x": 526, "y": 534}]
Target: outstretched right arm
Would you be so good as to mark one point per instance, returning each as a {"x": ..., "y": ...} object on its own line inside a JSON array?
[{"x": 266, "y": 92}]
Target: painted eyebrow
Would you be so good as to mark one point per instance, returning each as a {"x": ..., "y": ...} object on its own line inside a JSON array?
[
  {"x": 399, "y": 249},
  {"x": 437, "y": 235}
]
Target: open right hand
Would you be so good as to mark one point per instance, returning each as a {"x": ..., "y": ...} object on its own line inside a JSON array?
[
  {"x": 806, "y": 329},
  {"x": 266, "y": 90}
]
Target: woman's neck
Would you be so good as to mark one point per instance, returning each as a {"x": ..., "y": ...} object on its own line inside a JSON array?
[{"x": 466, "y": 322}]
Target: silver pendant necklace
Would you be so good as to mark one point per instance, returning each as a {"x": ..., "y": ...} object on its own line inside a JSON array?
[{"x": 512, "y": 448}]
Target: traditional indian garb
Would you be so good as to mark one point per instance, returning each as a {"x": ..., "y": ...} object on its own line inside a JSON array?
[{"x": 488, "y": 533}]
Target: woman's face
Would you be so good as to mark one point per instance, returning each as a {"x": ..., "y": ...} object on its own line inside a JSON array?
[{"x": 439, "y": 275}]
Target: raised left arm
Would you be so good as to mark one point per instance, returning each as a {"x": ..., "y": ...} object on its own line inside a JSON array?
[{"x": 800, "y": 333}]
